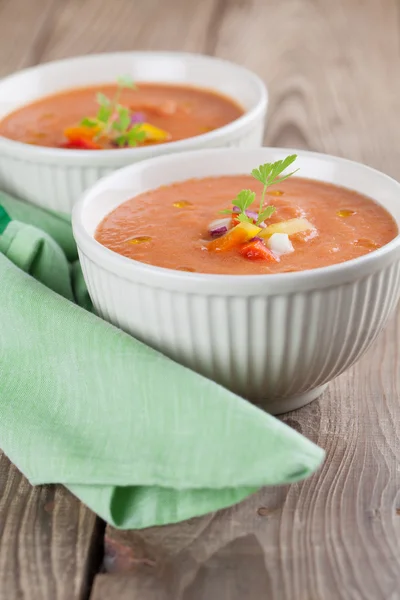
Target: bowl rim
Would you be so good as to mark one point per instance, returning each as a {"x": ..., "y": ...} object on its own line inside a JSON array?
[
  {"x": 129, "y": 268},
  {"x": 108, "y": 156}
]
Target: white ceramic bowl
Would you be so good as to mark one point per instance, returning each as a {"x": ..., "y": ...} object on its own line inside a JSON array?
[
  {"x": 56, "y": 178},
  {"x": 274, "y": 339}
]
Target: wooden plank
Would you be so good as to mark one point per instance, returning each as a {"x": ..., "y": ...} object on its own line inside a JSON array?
[
  {"x": 98, "y": 26},
  {"x": 50, "y": 544},
  {"x": 332, "y": 69},
  {"x": 142, "y": 586},
  {"x": 24, "y": 29}
]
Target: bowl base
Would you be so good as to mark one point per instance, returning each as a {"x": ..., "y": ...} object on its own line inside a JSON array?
[{"x": 284, "y": 405}]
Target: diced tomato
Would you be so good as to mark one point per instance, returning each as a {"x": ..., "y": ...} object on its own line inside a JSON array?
[
  {"x": 80, "y": 137},
  {"x": 81, "y": 144},
  {"x": 235, "y": 237},
  {"x": 256, "y": 250}
]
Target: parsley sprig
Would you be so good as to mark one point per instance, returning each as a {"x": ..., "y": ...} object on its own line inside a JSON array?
[
  {"x": 113, "y": 120},
  {"x": 268, "y": 174}
]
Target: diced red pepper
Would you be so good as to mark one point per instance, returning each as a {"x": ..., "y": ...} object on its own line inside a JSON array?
[
  {"x": 80, "y": 137},
  {"x": 81, "y": 144},
  {"x": 256, "y": 250}
]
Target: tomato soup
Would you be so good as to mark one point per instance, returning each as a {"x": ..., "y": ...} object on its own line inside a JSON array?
[
  {"x": 170, "y": 226},
  {"x": 171, "y": 112}
]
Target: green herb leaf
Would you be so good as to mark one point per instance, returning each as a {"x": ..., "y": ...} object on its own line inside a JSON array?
[
  {"x": 265, "y": 214},
  {"x": 121, "y": 141},
  {"x": 135, "y": 135},
  {"x": 102, "y": 99},
  {"x": 284, "y": 177},
  {"x": 131, "y": 137},
  {"x": 104, "y": 113},
  {"x": 86, "y": 122},
  {"x": 243, "y": 218},
  {"x": 124, "y": 119},
  {"x": 126, "y": 82},
  {"x": 268, "y": 173},
  {"x": 244, "y": 199},
  {"x": 225, "y": 212}
]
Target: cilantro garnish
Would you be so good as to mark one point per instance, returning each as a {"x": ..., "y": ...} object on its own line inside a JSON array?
[
  {"x": 113, "y": 120},
  {"x": 267, "y": 174}
]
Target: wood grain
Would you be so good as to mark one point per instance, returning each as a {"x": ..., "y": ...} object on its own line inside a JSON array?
[
  {"x": 24, "y": 30},
  {"x": 98, "y": 26},
  {"x": 141, "y": 587},
  {"x": 332, "y": 69},
  {"x": 50, "y": 544}
]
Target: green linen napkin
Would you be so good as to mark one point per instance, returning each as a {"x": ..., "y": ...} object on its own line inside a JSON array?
[{"x": 140, "y": 439}]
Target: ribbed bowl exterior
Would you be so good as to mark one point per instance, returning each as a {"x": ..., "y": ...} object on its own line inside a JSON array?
[
  {"x": 57, "y": 185},
  {"x": 274, "y": 339},
  {"x": 266, "y": 348},
  {"x": 50, "y": 186}
]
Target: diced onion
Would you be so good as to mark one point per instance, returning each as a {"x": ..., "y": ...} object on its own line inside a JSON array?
[
  {"x": 280, "y": 244},
  {"x": 219, "y": 227},
  {"x": 252, "y": 214},
  {"x": 137, "y": 117}
]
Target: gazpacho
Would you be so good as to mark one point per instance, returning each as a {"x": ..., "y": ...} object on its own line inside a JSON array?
[
  {"x": 266, "y": 222},
  {"x": 119, "y": 116}
]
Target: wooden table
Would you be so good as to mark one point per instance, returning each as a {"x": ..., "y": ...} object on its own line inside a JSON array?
[{"x": 333, "y": 70}]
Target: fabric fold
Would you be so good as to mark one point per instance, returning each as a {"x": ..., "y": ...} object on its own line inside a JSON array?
[{"x": 140, "y": 439}]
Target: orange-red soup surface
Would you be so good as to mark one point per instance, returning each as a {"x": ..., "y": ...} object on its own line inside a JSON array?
[
  {"x": 168, "y": 226},
  {"x": 182, "y": 111}
]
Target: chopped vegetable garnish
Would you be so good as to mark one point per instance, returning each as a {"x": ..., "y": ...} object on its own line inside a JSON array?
[
  {"x": 250, "y": 232},
  {"x": 241, "y": 203},
  {"x": 81, "y": 142},
  {"x": 235, "y": 237},
  {"x": 267, "y": 174},
  {"x": 256, "y": 250},
  {"x": 290, "y": 227},
  {"x": 116, "y": 124},
  {"x": 81, "y": 131},
  {"x": 219, "y": 227},
  {"x": 137, "y": 117},
  {"x": 280, "y": 244},
  {"x": 152, "y": 133}
]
